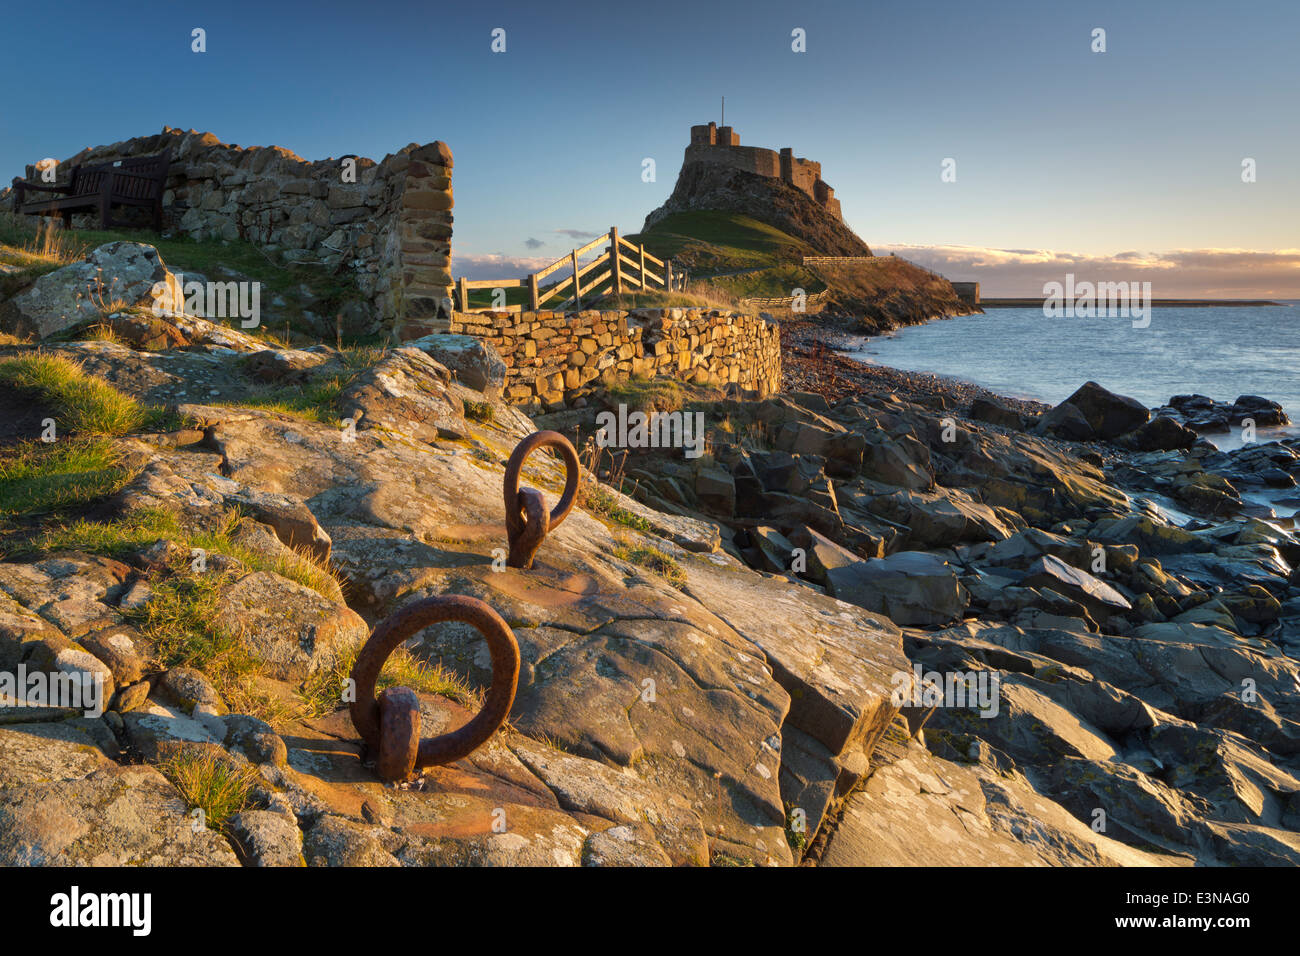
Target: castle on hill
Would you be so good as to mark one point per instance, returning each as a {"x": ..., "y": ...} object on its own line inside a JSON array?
[{"x": 720, "y": 145}]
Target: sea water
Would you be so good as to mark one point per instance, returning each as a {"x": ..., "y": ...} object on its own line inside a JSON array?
[{"x": 1217, "y": 351}]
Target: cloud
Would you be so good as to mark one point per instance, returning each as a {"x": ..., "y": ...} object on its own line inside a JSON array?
[
  {"x": 495, "y": 265},
  {"x": 533, "y": 243},
  {"x": 577, "y": 233},
  {"x": 1178, "y": 273}
]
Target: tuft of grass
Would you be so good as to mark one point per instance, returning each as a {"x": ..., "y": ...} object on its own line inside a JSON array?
[
  {"x": 649, "y": 394},
  {"x": 148, "y": 525},
  {"x": 34, "y": 251},
  {"x": 37, "y": 478},
  {"x": 479, "y": 411},
  {"x": 721, "y": 858},
  {"x": 183, "y": 619},
  {"x": 211, "y": 782},
  {"x": 316, "y": 401},
  {"x": 654, "y": 560},
  {"x": 132, "y": 533},
  {"x": 322, "y": 692},
  {"x": 598, "y": 500},
  {"x": 84, "y": 404}
]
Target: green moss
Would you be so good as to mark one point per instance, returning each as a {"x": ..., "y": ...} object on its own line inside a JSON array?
[{"x": 649, "y": 394}]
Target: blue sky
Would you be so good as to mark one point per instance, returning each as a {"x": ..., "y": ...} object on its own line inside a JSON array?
[{"x": 1128, "y": 159}]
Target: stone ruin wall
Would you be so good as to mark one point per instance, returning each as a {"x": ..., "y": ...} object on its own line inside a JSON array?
[
  {"x": 391, "y": 229},
  {"x": 551, "y": 355}
]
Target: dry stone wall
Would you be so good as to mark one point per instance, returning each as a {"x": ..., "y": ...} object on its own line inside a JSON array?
[
  {"x": 550, "y": 356},
  {"x": 388, "y": 224}
]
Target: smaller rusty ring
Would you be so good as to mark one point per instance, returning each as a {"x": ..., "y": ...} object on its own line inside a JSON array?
[
  {"x": 516, "y": 502},
  {"x": 395, "y": 629},
  {"x": 513, "y": 467}
]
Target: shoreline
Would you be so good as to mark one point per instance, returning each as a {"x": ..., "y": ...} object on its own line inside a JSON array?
[{"x": 816, "y": 359}]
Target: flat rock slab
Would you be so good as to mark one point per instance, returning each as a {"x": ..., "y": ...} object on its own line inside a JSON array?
[
  {"x": 924, "y": 811},
  {"x": 837, "y": 662},
  {"x": 64, "y": 803}
]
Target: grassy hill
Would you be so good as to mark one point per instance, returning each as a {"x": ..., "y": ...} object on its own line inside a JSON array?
[
  {"x": 734, "y": 256},
  {"x": 708, "y": 242},
  {"x": 888, "y": 292}
]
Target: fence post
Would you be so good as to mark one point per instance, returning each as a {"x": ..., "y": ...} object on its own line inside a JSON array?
[
  {"x": 644, "y": 285},
  {"x": 577, "y": 299},
  {"x": 464, "y": 295},
  {"x": 614, "y": 260},
  {"x": 668, "y": 275},
  {"x": 532, "y": 291}
]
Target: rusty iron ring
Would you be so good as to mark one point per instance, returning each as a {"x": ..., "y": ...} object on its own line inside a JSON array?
[
  {"x": 389, "y": 728},
  {"x": 525, "y": 532}
]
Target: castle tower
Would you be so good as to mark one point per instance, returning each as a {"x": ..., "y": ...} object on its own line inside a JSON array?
[{"x": 704, "y": 135}]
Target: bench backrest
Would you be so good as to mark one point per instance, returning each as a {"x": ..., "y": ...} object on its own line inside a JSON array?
[{"x": 88, "y": 178}]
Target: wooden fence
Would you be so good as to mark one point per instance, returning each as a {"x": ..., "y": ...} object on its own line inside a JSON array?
[
  {"x": 813, "y": 260},
  {"x": 785, "y": 302},
  {"x": 626, "y": 266}
]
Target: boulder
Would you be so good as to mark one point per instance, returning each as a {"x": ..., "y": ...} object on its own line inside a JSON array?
[
  {"x": 1162, "y": 434},
  {"x": 292, "y": 629},
  {"x": 1065, "y": 421},
  {"x": 912, "y": 588},
  {"x": 292, "y": 520},
  {"x": 1099, "y": 598},
  {"x": 1264, "y": 412},
  {"x": 716, "y": 491},
  {"x": 406, "y": 392},
  {"x": 123, "y": 272},
  {"x": 1108, "y": 415},
  {"x": 995, "y": 413},
  {"x": 267, "y": 838},
  {"x": 476, "y": 362}
]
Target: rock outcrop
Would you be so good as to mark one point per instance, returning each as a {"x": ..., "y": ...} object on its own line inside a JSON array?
[{"x": 874, "y": 631}]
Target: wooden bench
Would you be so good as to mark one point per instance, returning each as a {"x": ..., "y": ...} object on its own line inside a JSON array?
[{"x": 126, "y": 182}]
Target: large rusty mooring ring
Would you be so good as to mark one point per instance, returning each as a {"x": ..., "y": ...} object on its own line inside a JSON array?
[
  {"x": 527, "y": 522},
  {"x": 390, "y": 726}
]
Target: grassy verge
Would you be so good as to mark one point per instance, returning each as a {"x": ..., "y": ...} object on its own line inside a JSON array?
[
  {"x": 148, "y": 525},
  {"x": 37, "y": 478},
  {"x": 83, "y": 404},
  {"x": 317, "y": 401}
]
